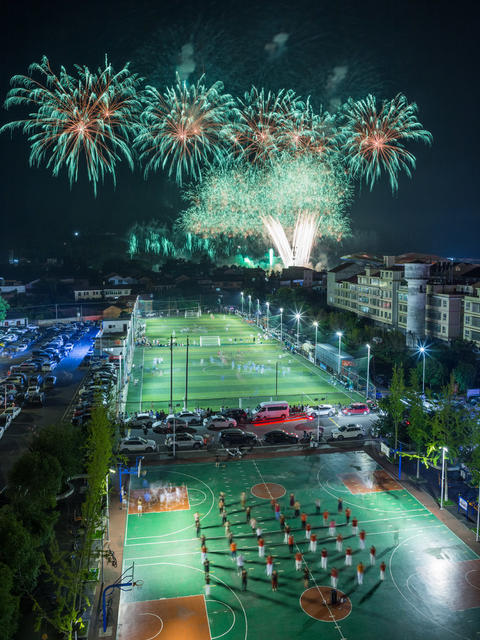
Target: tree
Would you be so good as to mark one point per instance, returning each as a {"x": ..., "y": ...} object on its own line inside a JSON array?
[
  {"x": 436, "y": 373},
  {"x": 464, "y": 375},
  {"x": 9, "y": 603},
  {"x": 4, "y": 307},
  {"x": 419, "y": 427},
  {"x": 34, "y": 483},
  {"x": 396, "y": 407},
  {"x": 18, "y": 550},
  {"x": 63, "y": 442}
]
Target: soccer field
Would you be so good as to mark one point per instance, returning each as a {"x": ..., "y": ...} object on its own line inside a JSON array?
[
  {"x": 432, "y": 579},
  {"x": 244, "y": 365}
]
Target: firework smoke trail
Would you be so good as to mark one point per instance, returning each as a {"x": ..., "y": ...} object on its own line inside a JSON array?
[
  {"x": 279, "y": 239},
  {"x": 373, "y": 140},
  {"x": 89, "y": 117},
  {"x": 304, "y": 235},
  {"x": 185, "y": 128}
]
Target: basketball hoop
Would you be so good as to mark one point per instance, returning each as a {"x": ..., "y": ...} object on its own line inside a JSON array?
[{"x": 138, "y": 584}]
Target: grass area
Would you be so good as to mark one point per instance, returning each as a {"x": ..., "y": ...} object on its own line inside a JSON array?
[
  {"x": 425, "y": 593},
  {"x": 246, "y": 365}
]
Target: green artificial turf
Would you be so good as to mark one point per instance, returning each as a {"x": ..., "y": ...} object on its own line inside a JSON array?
[{"x": 246, "y": 365}]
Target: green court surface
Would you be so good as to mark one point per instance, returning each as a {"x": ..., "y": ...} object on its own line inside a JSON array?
[
  {"x": 245, "y": 365},
  {"x": 431, "y": 588}
]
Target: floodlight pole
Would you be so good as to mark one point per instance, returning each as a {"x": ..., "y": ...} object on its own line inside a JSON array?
[
  {"x": 241, "y": 293},
  {"x": 171, "y": 374},
  {"x": 315, "y": 324},
  {"x": 268, "y": 314},
  {"x": 339, "y": 334},
  {"x": 443, "y": 473},
  {"x": 186, "y": 378},
  {"x": 258, "y": 312},
  {"x": 368, "y": 370},
  {"x": 298, "y": 330},
  {"x": 249, "y": 306},
  {"x": 423, "y": 372},
  {"x": 281, "y": 325}
]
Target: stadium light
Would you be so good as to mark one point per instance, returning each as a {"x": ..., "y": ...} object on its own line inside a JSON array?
[
  {"x": 339, "y": 334},
  {"x": 422, "y": 349},
  {"x": 368, "y": 370},
  {"x": 315, "y": 324},
  {"x": 241, "y": 293},
  {"x": 268, "y": 313},
  {"x": 297, "y": 318}
]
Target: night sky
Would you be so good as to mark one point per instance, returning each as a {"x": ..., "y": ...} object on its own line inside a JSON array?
[{"x": 427, "y": 50}]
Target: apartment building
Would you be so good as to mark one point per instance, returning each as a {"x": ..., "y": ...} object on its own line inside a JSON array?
[{"x": 423, "y": 296}]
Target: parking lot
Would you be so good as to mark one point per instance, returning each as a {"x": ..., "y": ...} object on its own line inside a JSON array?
[{"x": 56, "y": 400}]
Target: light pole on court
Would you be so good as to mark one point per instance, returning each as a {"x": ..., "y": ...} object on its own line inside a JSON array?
[
  {"x": 368, "y": 370},
  {"x": 297, "y": 318},
  {"x": 339, "y": 334},
  {"x": 422, "y": 350}
]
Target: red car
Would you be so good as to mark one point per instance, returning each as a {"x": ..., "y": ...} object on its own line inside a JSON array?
[{"x": 355, "y": 409}]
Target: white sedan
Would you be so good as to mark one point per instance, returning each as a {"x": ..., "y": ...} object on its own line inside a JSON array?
[
  {"x": 322, "y": 410},
  {"x": 217, "y": 423},
  {"x": 187, "y": 416},
  {"x": 137, "y": 445},
  {"x": 348, "y": 432}
]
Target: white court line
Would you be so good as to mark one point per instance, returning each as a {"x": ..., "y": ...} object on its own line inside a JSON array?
[
  {"x": 206, "y": 615},
  {"x": 148, "y": 613},
  {"x": 417, "y": 609},
  {"x": 186, "y": 566},
  {"x": 234, "y": 618},
  {"x": 337, "y": 626},
  {"x": 190, "y": 526}
]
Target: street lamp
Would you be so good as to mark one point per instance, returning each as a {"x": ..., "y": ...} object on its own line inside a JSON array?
[
  {"x": 422, "y": 350},
  {"x": 339, "y": 334},
  {"x": 368, "y": 370},
  {"x": 268, "y": 313},
  {"x": 315, "y": 324},
  {"x": 249, "y": 306},
  {"x": 281, "y": 324},
  {"x": 241, "y": 293},
  {"x": 297, "y": 318},
  {"x": 107, "y": 502},
  {"x": 444, "y": 449}
]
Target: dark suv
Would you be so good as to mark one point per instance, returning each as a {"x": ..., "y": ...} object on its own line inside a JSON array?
[
  {"x": 240, "y": 415},
  {"x": 237, "y": 438}
]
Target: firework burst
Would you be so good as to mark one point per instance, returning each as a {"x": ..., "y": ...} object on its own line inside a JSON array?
[
  {"x": 89, "y": 117},
  {"x": 373, "y": 139},
  {"x": 184, "y": 128}
]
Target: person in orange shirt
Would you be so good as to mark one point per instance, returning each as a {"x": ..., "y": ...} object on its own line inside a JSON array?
[
  {"x": 373, "y": 552},
  {"x": 361, "y": 539},
  {"x": 203, "y": 553},
  {"x": 348, "y": 557},
  {"x": 383, "y": 568},
  {"x": 290, "y": 543},
  {"x": 334, "y": 577},
  {"x": 348, "y": 513},
  {"x": 303, "y": 518},
  {"x": 261, "y": 547},
  {"x": 360, "y": 570},
  {"x": 269, "y": 566},
  {"x": 233, "y": 551},
  {"x": 331, "y": 528},
  {"x": 339, "y": 543},
  {"x": 313, "y": 543},
  {"x": 308, "y": 531},
  {"x": 298, "y": 561},
  {"x": 325, "y": 518},
  {"x": 324, "y": 560}
]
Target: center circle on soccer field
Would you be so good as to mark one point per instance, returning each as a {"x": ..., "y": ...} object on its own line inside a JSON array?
[
  {"x": 316, "y": 603},
  {"x": 268, "y": 490}
]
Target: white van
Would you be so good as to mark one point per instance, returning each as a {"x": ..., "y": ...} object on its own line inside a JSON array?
[{"x": 269, "y": 410}]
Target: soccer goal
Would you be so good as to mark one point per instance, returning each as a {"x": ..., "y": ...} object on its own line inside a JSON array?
[
  {"x": 210, "y": 341},
  {"x": 191, "y": 313}
]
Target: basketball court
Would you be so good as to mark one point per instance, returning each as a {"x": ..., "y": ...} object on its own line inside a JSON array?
[{"x": 431, "y": 588}]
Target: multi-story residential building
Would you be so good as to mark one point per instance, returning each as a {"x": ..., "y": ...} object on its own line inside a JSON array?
[
  {"x": 422, "y": 296},
  {"x": 471, "y": 325}
]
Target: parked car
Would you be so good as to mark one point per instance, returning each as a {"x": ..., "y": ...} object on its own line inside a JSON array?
[
  {"x": 348, "y": 432},
  {"x": 139, "y": 421},
  {"x": 13, "y": 411},
  {"x": 137, "y": 445},
  {"x": 187, "y": 416},
  {"x": 322, "y": 410},
  {"x": 49, "y": 382},
  {"x": 238, "y": 438},
  {"x": 35, "y": 399},
  {"x": 240, "y": 415},
  {"x": 5, "y": 420},
  {"x": 2, "y": 431},
  {"x": 356, "y": 408},
  {"x": 217, "y": 423},
  {"x": 184, "y": 441},
  {"x": 277, "y": 436}
]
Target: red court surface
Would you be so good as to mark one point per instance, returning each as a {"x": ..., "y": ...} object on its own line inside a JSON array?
[
  {"x": 169, "y": 619},
  {"x": 377, "y": 481},
  {"x": 161, "y": 499},
  {"x": 456, "y": 584}
]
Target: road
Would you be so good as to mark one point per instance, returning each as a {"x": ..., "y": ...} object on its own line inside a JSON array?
[{"x": 57, "y": 401}]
